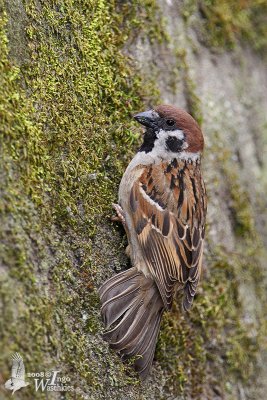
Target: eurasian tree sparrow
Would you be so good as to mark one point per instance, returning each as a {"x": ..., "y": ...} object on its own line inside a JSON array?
[{"x": 162, "y": 205}]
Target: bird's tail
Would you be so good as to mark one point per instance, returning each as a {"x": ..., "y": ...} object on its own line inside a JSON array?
[{"x": 132, "y": 307}]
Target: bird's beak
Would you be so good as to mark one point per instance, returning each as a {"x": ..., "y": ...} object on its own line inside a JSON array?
[{"x": 148, "y": 118}]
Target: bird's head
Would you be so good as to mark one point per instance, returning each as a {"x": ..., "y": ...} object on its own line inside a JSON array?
[{"x": 170, "y": 131}]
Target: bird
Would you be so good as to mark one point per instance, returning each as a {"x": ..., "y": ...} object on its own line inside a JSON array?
[
  {"x": 162, "y": 206},
  {"x": 17, "y": 380}
]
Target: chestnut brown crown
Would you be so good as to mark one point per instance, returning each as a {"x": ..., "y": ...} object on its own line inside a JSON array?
[{"x": 184, "y": 122}]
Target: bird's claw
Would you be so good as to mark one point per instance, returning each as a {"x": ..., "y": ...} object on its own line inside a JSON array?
[{"x": 120, "y": 214}]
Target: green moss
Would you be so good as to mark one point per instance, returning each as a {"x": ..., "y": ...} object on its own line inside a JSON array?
[
  {"x": 214, "y": 336},
  {"x": 193, "y": 102},
  {"x": 65, "y": 135},
  {"x": 238, "y": 199},
  {"x": 225, "y": 23},
  {"x": 239, "y": 205},
  {"x": 213, "y": 345}
]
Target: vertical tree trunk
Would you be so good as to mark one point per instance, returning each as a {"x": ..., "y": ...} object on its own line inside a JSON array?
[{"x": 72, "y": 74}]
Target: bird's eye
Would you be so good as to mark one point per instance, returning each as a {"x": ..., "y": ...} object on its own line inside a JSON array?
[{"x": 170, "y": 122}]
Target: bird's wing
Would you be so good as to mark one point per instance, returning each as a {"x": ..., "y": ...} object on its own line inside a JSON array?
[
  {"x": 18, "y": 369},
  {"x": 168, "y": 205}
]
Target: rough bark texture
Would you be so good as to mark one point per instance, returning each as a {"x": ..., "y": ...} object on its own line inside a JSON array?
[{"x": 72, "y": 74}]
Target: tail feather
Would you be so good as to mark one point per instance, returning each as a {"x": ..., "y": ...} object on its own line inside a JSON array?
[
  {"x": 115, "y": 307},
  {"x": 143, "y": 364},
  {"x": 133, "y": 332},
  {"x": 132, "y": 303},
  {"x": 119, "y": 330},
  {"x": 140, "y": 327},
  {"x": 146, "y": 339},
  {"x": 147, "y": 350},
  {"x": 112, "y": 286}
]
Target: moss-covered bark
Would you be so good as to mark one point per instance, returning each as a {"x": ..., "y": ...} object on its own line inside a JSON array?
[{"x": 68, "y": 93}]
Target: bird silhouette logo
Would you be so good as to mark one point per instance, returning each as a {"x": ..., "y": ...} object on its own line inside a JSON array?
[{"x": 17, "y": 380}]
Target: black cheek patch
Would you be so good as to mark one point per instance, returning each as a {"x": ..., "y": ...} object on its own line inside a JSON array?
[{"x": 174, "y": 144}]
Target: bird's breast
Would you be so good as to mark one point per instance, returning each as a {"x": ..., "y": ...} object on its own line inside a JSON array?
[{"x": 129, "y": 178}]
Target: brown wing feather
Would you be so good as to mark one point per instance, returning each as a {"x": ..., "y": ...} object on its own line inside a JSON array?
[{"x": 168, "y": 204}]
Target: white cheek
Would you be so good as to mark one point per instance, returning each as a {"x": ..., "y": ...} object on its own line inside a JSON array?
[
  {"x": 160, "y": 151},
  {"x": 178, "y": 134}
]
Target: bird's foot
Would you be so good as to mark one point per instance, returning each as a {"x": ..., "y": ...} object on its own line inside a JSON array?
[{"x": 120, "y": 214}]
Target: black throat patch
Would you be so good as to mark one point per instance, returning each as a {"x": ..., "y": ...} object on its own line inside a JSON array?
[{"x": 149, "y": 140}]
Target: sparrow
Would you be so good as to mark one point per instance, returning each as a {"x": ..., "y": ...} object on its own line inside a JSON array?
[{"x": 162, "y": 205}]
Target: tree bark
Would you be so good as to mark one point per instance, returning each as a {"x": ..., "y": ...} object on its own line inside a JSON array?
[{"x": 72, "y": 75}]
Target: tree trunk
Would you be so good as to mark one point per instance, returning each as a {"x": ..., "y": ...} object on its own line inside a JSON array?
[{"x": 72, "y": 75}]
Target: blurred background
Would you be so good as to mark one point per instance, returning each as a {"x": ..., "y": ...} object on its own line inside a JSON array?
[{"x": 72, "y": 74}]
